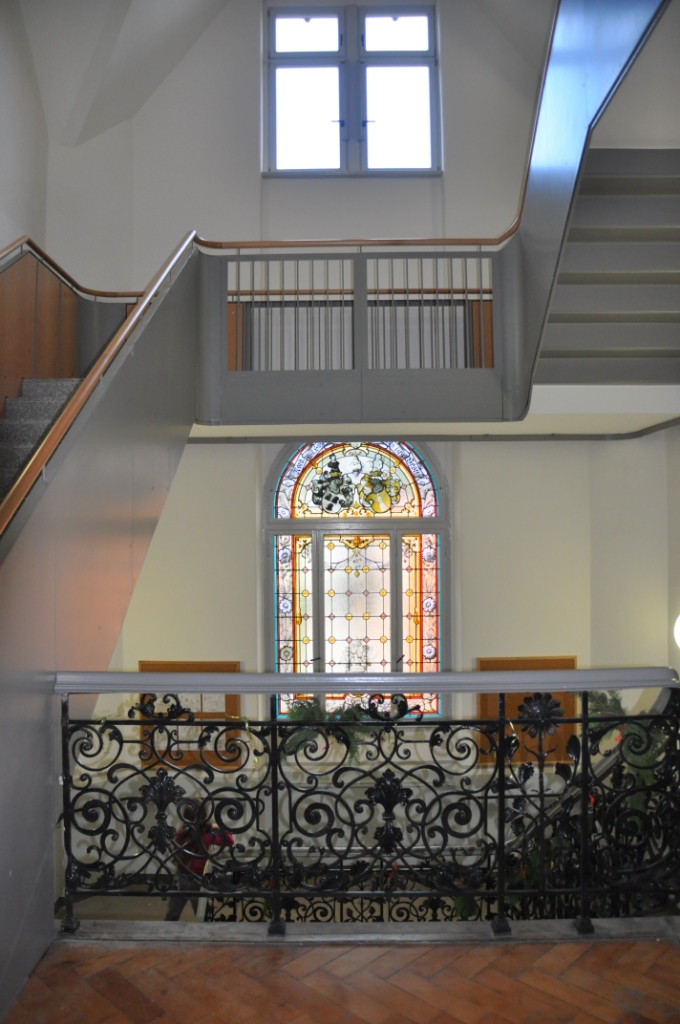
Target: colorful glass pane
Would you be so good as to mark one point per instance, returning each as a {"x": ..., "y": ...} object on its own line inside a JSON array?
[
  {"x": 357, "y": 603},
  {"x": 355, "y": 478},
  {"x": 294, "y": 620},
  {"x": 427, "y": 703},
  {"x": 420, "y": 602}
]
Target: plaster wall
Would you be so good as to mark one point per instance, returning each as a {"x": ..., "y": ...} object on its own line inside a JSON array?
[
  {"x": 558, "y": 548},
  {"x": 191, "y": 157},
  {"x": 673, "y": 464},
  {"x": 23, "y": 153},
  {"x": 645, "y": 113}
]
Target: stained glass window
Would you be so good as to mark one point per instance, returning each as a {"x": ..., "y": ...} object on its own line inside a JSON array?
[
  {"x": 355, "y": 478},
  {"x": 365, "y": 596}
]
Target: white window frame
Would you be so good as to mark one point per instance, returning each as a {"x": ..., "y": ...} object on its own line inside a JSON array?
[{"x": 352, "y": 60}]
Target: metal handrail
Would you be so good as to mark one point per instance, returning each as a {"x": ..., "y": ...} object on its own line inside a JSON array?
[
  {"x": 382, "y": 243},
  {"x": 26, "y": 241},
  {"x": 563, "y": 681},
  {"x": 49, "y": 444}
]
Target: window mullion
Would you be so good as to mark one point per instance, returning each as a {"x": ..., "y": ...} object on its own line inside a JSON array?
[
  {"x": 395, "y": 603},
  {"x": 353, "y": 90},
  {"x": 319, "y": 653}
]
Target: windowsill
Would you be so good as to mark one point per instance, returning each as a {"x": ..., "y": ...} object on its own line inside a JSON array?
[{"x": 396, "y": 173}]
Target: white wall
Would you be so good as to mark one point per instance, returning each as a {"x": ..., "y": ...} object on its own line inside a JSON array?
[
  {"x": 23, "y": 145},
  {"x": 629, "y": 552},
  {"x": 196, "y": 156},
  {"x": 673, "y": 451},
  {"x": 558, "y": 548},
  {"x": 645, "y": 112}
]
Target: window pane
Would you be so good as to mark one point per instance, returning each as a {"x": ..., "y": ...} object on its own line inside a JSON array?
[
  {"x": 420, "y": 602},
  {"x": 307, "y": 35},
  {"x": 389, "y": 33},
  {"x": 307, "y": 118},
  {"x": 357, "y": 603},
  {"x": 398, "y": 114},
  {"x": 293, "y": 618}
]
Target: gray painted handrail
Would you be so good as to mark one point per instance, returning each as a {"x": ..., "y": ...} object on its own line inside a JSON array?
[{"x": 571, "y": 680}]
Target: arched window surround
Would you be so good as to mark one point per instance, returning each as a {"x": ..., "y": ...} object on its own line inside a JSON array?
[{"x": 392, "y": 527}]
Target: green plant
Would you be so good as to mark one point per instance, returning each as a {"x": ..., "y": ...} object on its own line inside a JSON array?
[{"x": 341, "y": 725}]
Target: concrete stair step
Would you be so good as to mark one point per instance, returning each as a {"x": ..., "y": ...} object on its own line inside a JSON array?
[
  {"x": 602, "y": 233},
  {"x": 42, "y": 409},
  {"x": 626, "y": 211},
  {"x": 619, "y": 277},
  {"x": 630, "y": 185},
  {"x": 619, "y": 299},
  {"x": 653, "y": 339},
  {"x": 49, "y": 388},
  {"x": 624, "y": 257},
  {"x": 633, "y": 162},
  {"x": 598, "y": 369},
  {"x": 13, "y": 456},
  {"x": 22, "y": 431}
]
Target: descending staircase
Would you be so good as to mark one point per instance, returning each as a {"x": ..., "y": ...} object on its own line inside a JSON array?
[
  {"x": 615, "y": 315},
  {"x": 27, "y": 419}
]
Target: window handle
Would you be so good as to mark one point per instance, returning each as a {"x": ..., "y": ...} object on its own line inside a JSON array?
[
  {"x": 337, "y": 121},
  {"x": 366, "y": 123}
]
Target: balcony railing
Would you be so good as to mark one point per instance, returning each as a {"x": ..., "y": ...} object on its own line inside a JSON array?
[{"x": 382, "y": 815}]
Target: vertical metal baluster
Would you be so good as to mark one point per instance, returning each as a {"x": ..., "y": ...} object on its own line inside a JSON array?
[
  {"x": 469, "y": 343},
  {"x": 499, "y": 925},
  {"x": 584, "y": 926},
  {"x": 70, "y": 923},
  {"x": 392, "y": 310},
  {"x": 308, "y": 315},
  {"x": 407, "y": 311},
  {"x": 276, "y": 925},
  {"x": 480, "y": 282},
  {"x": 328, "y": 318},
  {"x": 342, "y": 315},
  {"x": 435, "y": 313},
  {"x": 269, "y": 349},
  {"x": 453, "y": 330},
  {"x": 421, "y": 315}
]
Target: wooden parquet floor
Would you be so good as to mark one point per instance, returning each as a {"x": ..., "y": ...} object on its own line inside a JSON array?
[{"x": 500, "y": 983}]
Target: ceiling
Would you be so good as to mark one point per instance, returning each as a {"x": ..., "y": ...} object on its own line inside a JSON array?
[{"x": 98, "y": 61}]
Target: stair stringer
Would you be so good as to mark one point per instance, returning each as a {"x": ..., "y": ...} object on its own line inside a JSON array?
[{"x": 69, "y": 563}]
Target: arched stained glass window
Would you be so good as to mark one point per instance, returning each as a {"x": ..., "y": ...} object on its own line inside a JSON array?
[
  {"x": 357, "y": 556},
  {"x": 380, "y": 478}
]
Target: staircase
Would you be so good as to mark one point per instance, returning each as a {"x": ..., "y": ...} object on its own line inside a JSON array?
[
  {"x": 27, "y": 418},
  {"x": 615, "y": 315}
]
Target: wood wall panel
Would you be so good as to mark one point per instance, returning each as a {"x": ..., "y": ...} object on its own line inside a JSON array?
[
  {"x": 47, "y": 323},
  {"x": 68, "y": 333},
  {"x": 17, "y": 325},
  {"x": 487, "y": 705},
  {"x": 482, "y": 334},
  {"x": 38, "y": 326}
]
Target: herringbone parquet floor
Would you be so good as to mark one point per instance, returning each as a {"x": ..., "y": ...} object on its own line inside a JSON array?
[{"x": 500, "y": 983}]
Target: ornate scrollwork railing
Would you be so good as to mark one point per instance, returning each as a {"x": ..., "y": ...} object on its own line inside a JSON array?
[{"x": 379, "y": 819}]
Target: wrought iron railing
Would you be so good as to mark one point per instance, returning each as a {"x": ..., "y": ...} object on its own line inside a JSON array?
[{"x": 390, "y": 817}]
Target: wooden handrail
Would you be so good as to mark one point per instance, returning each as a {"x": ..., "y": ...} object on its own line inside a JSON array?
[
  {"x": 47, "y": 447},
  {"x": 25, "y": 240},
  {"x": 338, "y": 243}
]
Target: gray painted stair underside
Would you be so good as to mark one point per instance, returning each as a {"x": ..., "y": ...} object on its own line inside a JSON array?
[
  {"x": 615, "y": 315},
  {"x": 26, "y": 421}
]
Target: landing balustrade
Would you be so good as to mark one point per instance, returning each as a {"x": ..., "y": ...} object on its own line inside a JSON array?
[{"x": 381, "y": 814}]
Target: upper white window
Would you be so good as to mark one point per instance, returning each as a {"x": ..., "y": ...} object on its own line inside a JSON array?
[{"x": 353, "y": 90}]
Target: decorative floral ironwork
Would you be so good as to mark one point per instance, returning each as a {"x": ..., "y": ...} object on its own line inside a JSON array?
[
  {"x": 389, "y": 792},
  {"x": 374, "y": 818},
  {"x": 538, "y": 714}
]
